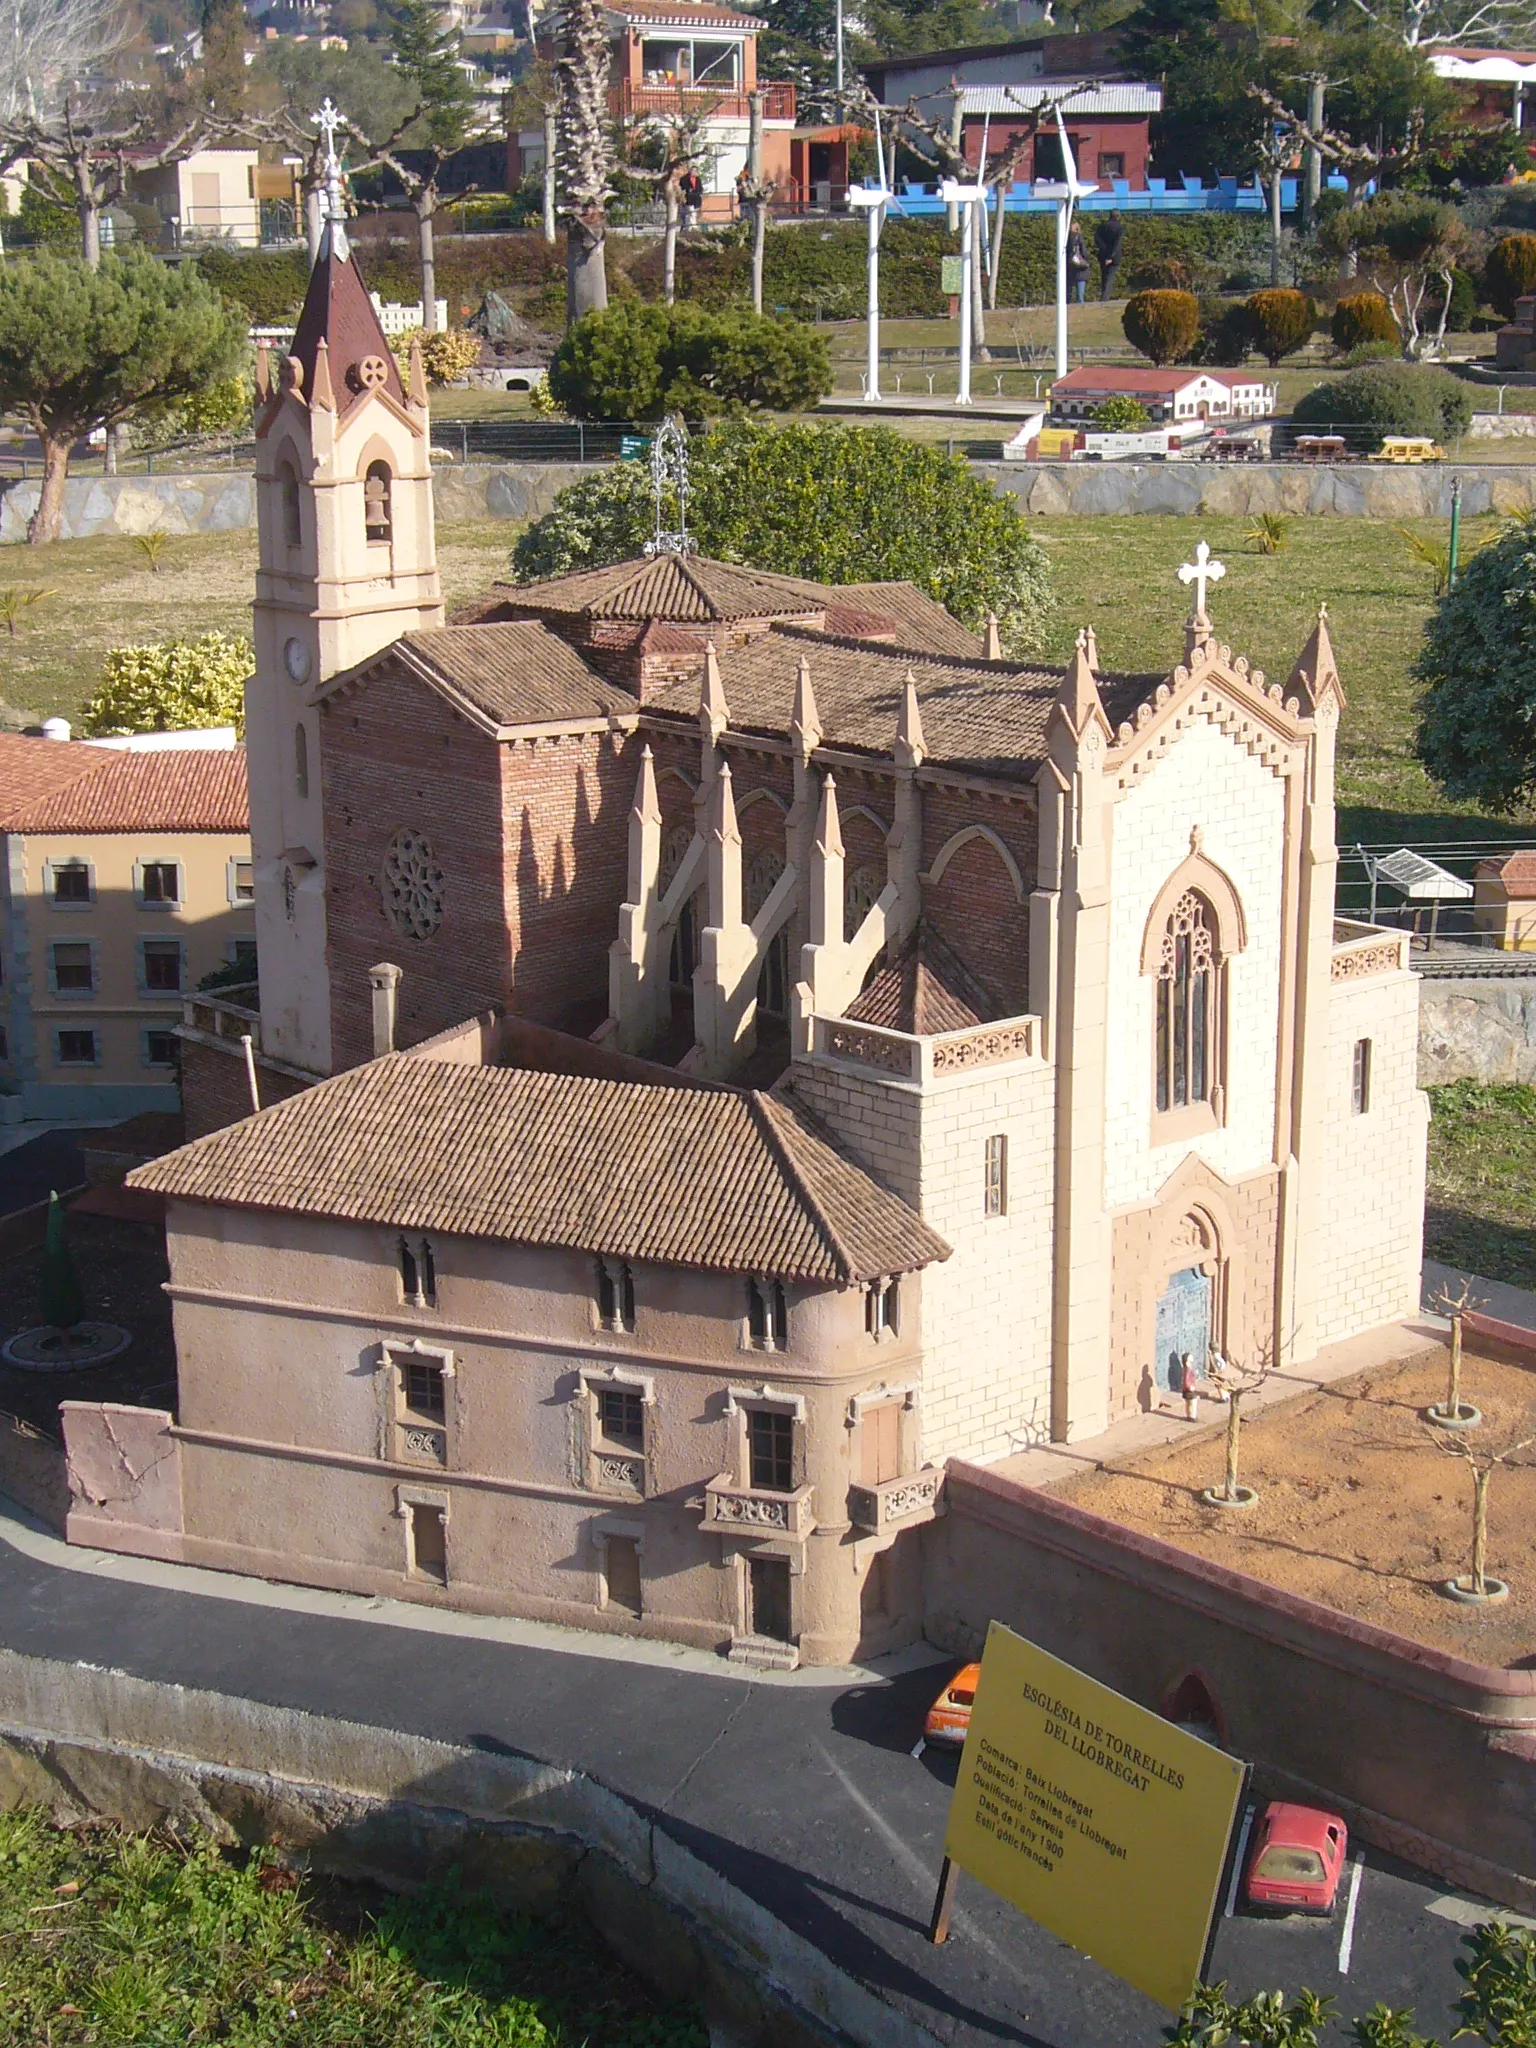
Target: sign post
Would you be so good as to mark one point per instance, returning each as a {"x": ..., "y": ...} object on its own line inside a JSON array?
[{"x": 1093, "y": 1815}]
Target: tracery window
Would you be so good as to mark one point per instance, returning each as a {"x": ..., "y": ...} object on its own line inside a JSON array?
[
  {"x": 773, "y": 975},
  {"x": 1186, "y": 1005},
  {"x": 861, "y": 892}
]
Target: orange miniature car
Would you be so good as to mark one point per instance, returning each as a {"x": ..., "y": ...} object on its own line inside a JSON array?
[{"x": 949, "y": 1718}]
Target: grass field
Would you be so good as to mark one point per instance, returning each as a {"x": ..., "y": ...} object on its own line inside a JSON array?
[
  {"x": 1117, "y": 574},
  {"x": 1481, "y": 1207},
  {"x": 155, "y": 1942}
]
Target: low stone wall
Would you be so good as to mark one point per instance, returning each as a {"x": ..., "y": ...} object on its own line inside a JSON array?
[
  {"x": 378, "y": 1803},
  {"x": 1427, "y": 1755},
  {"x": 221, "y": 502},
  {"x": 1477, "y": 1030},
  {"x": 33, "y": 1471},
  {"x": 1353, "y": 490}
]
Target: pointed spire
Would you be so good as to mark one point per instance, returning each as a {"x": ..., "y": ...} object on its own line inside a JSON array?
[
  {"x": 722, "y": 809},
  {"x": 911, "y": 748},
  {"x": 263, "y": 373},
  {"x": 805, "y": 726},
  {"x": 1316, "y": 673},
  {"x": 714, "y": 714},
  {"x": 1079, "y": 695},
  {"x": 321, "y": 397},
  {"x": 416, "y": 387},
  {"x": 1091, "y": 649},
  {"x": 646, "y": 807},
  {"x": 829, "y": 830},
  {"x": 992, "y": 647}
]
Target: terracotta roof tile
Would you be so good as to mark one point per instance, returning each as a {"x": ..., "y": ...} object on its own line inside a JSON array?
[
  {"x": 691, "y": 588},
  {"x": 518, "y": 671},
  {"x": 31, "y": 769},
  {"x": 926, "y": 988},
  {"x": 921, "y": 621},
  {"x": 338, "y": 311},
  {"x": 703, "y": 1177},
  {"x": 182, "y": 789},
  {"x": 1517, "y": 871}
]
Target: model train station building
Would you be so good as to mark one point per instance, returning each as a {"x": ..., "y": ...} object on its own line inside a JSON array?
[{"x": 731, "y": 1045}]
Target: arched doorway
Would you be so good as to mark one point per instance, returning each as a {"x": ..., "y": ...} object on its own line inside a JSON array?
[{"x": 1183, "y": 1327}]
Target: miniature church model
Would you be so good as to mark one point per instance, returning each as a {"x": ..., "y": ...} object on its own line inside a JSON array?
[{"x": 743, "y": 1043}]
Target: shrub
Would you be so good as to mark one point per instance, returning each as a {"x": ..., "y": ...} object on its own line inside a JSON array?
[
  {"x": 1163, "y": 274},
  {"x": 1510, "y": 272},
  {"x": 447, "y": 354},
  {"x": 224, "y": 408},
  {"x": 1395, "y": 398},
  {"x": 59, "y": 1289},
  {"x": 170, "y": 686},
  {"x": 1122, "y": 414},
  {"x": 1373, "y": 352},
  {"x": 1360, "y": 318},
  {"x": 1225, "y": 336},
  {"x": 1476, "y": 735},
  {"x": 267, "y": 284},
  {"x": 838, "y": 504},
  {"x": 637, "y": 362},
  {"x": 1463, "y": 302},
  {"x": 1162, "y": 325},
  {"x": 1280, "y": 322}
]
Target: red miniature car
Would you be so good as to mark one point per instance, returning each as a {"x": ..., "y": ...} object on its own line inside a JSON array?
[
  {"x": 949, "y": 1718},
  {"x": 1297, "y": 1860}
]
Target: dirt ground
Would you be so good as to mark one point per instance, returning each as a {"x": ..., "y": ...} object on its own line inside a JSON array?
[{"x": 1357, "y": 1507}]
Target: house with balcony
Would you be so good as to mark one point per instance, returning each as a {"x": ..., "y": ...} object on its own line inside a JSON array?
[
  {"x": 699, "y": 58},
  {"x": 213, "y": 195}
]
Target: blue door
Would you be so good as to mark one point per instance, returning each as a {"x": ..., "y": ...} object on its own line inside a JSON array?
[{"x": 1183, "y": 1324}]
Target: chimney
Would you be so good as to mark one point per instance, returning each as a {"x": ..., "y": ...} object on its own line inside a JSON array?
[{"x": 384, "y": 980}]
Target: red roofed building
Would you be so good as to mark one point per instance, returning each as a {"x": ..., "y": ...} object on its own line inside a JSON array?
[
  {"x": 1167, "y": 395},
  {"x": 1504, "y": 900},
  {"x": 127, "y": 879}
]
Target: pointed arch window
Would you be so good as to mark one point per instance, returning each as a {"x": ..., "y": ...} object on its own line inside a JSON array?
[
  {"x": 377, "y": 492},
  {"x": 1188, "y": 1007},
  {"x": 288, "y": 492}
]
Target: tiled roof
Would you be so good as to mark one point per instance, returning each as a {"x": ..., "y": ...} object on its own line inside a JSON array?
[
  {"x": 704, "y": 1177},
  {"x": 926, "y": 988},
  {"x": 31, "y": 769},
  {"x": 1517, "y": 871},
  {"x": 690, "y": 13},
  {"x": 981, "y": 714},
  {"x": 921, "y": 621},
  {"x": 1131, "y": 377},
  {"x": 183, "y": 789},
  {"x": 669, "y": 587},
  {"x": 518, "y": 672}
]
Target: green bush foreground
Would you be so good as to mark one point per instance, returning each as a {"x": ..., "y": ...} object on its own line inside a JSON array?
[{"x": 124, "y": 1941}]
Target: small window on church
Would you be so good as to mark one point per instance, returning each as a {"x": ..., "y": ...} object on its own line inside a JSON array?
[
  {"x": 767, "y": 1316},
  {"x": 615, "y": 1294},
  {"x": 288, "y": 485},
  {"x": 1360, "y": 1082},
  {"x": 376, "y": 493},
  {"x": 418, "y": 1272},
  {"x": 1186, "y": 1005},
  {"x": 994, "y": 1193}
]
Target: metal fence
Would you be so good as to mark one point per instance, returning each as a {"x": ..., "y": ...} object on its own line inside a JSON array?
[{"x": 1445, "y": 942}]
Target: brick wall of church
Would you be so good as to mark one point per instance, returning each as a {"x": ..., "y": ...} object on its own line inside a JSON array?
[
  {"x": 975, "y": 906},
  {"x": 395, "y": 756},
  {"x": 215, "y": 1090}
]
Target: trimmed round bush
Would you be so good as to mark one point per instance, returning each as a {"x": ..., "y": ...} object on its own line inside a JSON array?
[
  {"x": 1162, "y": 325},
  {"x": 1279, "y": 321},
  {"x": 1225, "y": 339},
  {"x": 1394, "y": 398},
  {"x": 1361, "y": 318},
  {"x": 1163, "y": 274},
  {"x": 1463, "y": 302},
  {"x": 1510, "y": 272},
  {"x": 638, "y": 362}
]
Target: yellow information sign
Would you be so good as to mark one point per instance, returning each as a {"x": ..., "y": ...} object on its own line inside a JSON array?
[{"x": 1094, "y": 1816}]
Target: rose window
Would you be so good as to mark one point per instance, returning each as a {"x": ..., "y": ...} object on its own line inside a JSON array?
[{"x": 412, "y": 886}]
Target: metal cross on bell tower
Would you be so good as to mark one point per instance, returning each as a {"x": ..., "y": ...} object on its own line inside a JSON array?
[
  {"x": 333, "y": 206},
  {"x": 669, "y": 471}
]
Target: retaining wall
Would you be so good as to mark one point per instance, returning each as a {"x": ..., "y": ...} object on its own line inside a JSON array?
[
  {"x": 223, "y": 501},
  {"x": 1477, "y": 1030},
  {"x": 399, "y": 1809},
  {"x": 33, "y": 1471},
  {"x": 1427, "y": 1755}
]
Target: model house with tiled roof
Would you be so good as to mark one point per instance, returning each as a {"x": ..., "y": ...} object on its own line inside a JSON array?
[
  {"x": 127, "y": 878},
  {"x": 727, "y": 1046},
  {"x": 1167, "y": 396}
]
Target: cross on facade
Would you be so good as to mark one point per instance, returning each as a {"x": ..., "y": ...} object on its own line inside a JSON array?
[{"x": 1201, "y": 571}]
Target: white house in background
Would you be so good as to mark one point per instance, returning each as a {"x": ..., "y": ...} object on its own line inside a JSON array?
[
  {"x": 210, "y": 196},
  {"x": 1166, "y": 395}
]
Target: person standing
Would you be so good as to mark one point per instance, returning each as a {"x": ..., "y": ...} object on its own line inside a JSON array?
[
  {"x": 1108, "y": 241},
  {"x": 1189, "y": 1387},
  {"x": 1077, "y": 265}
]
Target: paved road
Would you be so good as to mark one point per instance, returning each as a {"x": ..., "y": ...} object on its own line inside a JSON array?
[{"x": 802, "y": 1792}]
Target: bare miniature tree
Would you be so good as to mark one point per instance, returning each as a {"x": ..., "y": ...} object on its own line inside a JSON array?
[
  {"x": 1477, "y": 1584},
  {"x": 757, "y": 191},
  {"x": 675, "y": 146},
  {"x": 1233, "y": 1384},
  {"x": 584, "y": 155},
  {"x": 80, "y": 153},
  {"x": 1453, "y": 1412}
]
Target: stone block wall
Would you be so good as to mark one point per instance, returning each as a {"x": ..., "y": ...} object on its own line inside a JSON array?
[
  {"x": 1477, "y": 1030},
  {"x": 1374, "y": 1172}
]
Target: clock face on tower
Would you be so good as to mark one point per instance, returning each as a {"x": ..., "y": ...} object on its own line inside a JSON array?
[{"x": 296, "y": 660}]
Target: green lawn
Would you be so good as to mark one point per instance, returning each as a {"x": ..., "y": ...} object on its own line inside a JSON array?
[
  {"x": 153, "y": 1942},
  {"x": 1481, "y": 1207}
]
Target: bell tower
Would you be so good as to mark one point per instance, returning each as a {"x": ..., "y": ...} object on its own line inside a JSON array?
[{"x": 347, "y": 563}]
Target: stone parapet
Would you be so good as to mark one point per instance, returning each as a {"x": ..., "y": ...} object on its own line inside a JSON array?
[{"x": 904, "y": 1056}]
